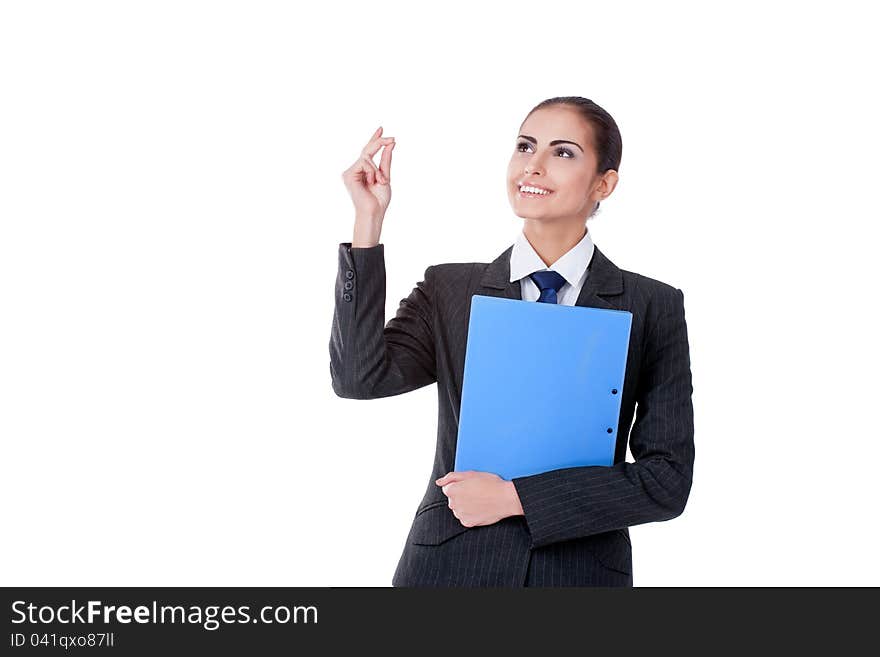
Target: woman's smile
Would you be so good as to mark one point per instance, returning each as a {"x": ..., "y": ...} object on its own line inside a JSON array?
[{"x": 527, "y": 191}]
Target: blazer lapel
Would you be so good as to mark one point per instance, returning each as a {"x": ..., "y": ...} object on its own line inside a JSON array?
[
  {"x": 496, "y": 278},
  {"x": 604, "y": 280}
]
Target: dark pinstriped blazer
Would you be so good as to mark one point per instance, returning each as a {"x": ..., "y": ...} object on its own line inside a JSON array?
[{"x": 574, "y": 529}]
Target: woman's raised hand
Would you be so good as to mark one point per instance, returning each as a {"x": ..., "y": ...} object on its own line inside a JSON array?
[{"x": 368, "y": 185}]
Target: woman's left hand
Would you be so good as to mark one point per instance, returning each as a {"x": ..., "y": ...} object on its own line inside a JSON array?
[{"x": 479, "y": 498}]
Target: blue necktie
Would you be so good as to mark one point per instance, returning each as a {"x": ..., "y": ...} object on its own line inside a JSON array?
[{"x": 549, "y": 282}]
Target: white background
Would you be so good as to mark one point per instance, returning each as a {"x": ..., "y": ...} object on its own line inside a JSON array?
[{"x": 171, "y": 207}]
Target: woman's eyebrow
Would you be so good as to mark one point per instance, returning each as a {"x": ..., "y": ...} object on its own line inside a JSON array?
[{"x": 552, "y": 143}]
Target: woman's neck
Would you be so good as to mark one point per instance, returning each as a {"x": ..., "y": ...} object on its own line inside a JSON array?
[{"x": 553, "y": 240}]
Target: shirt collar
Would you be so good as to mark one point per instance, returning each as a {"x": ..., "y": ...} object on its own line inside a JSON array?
[{"x": 571, "y": 266}]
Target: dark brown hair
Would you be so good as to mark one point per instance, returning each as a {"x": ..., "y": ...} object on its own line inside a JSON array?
[{"x": 607, "y": 143}]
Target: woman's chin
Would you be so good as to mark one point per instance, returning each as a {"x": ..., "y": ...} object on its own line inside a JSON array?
[{"x": 530, "y": 213}]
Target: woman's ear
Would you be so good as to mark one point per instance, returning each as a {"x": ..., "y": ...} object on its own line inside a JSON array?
[{"x": 607, "y": 184}]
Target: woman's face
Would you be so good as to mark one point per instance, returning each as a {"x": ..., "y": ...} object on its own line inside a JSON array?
[{"x": 567, "y": 170}]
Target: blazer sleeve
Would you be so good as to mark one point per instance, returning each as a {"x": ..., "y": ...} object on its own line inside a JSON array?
[
  {"x": 574, "y": 502},
  {"x": 368, "y": 358}
]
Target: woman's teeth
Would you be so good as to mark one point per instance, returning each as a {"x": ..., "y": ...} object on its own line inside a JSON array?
[{"x": 533, "y": 191}]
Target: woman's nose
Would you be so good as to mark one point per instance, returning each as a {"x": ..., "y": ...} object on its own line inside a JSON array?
[{"x": 534, "y": 166}]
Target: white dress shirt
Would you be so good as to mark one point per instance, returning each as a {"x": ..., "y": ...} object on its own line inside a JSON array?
[{"x": 572, "y": 266}]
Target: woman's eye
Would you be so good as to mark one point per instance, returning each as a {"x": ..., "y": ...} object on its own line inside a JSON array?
[{"x": 566, "y": 151}]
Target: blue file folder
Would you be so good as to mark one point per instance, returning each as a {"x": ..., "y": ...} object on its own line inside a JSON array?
[{"x": 542, "y": 386}]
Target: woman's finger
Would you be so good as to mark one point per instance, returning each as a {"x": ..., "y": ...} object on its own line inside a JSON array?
[
  {"x": 371, "y": 149},
  {"x": 376, "y": 142},
  {"x": 381, "y": 170},
  {"x": 385, "y": 163},
  {"x": 376, "y": 136},
  {"x": 369, "y": 169}
]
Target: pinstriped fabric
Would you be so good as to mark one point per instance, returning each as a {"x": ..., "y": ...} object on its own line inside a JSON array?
[
  {"x": 365, "y": 362},
  {"x": 573, "y": 502},
  {"x": 574, "y": 530}
]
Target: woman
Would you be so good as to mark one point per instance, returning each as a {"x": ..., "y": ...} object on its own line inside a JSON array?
[{"x": 565, "y": 527}]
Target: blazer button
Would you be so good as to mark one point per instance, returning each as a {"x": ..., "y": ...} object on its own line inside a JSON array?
[
  {"x": 346, "y": 296},
  {"x": 349, "y": 274},
  {"x": 348, "y": 285}
]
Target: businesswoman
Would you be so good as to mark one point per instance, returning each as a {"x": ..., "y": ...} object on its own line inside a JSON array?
[{"x": 564, "y": 527}]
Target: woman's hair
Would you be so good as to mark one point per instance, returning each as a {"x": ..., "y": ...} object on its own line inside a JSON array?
[{"x": 606, "y": 136}]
